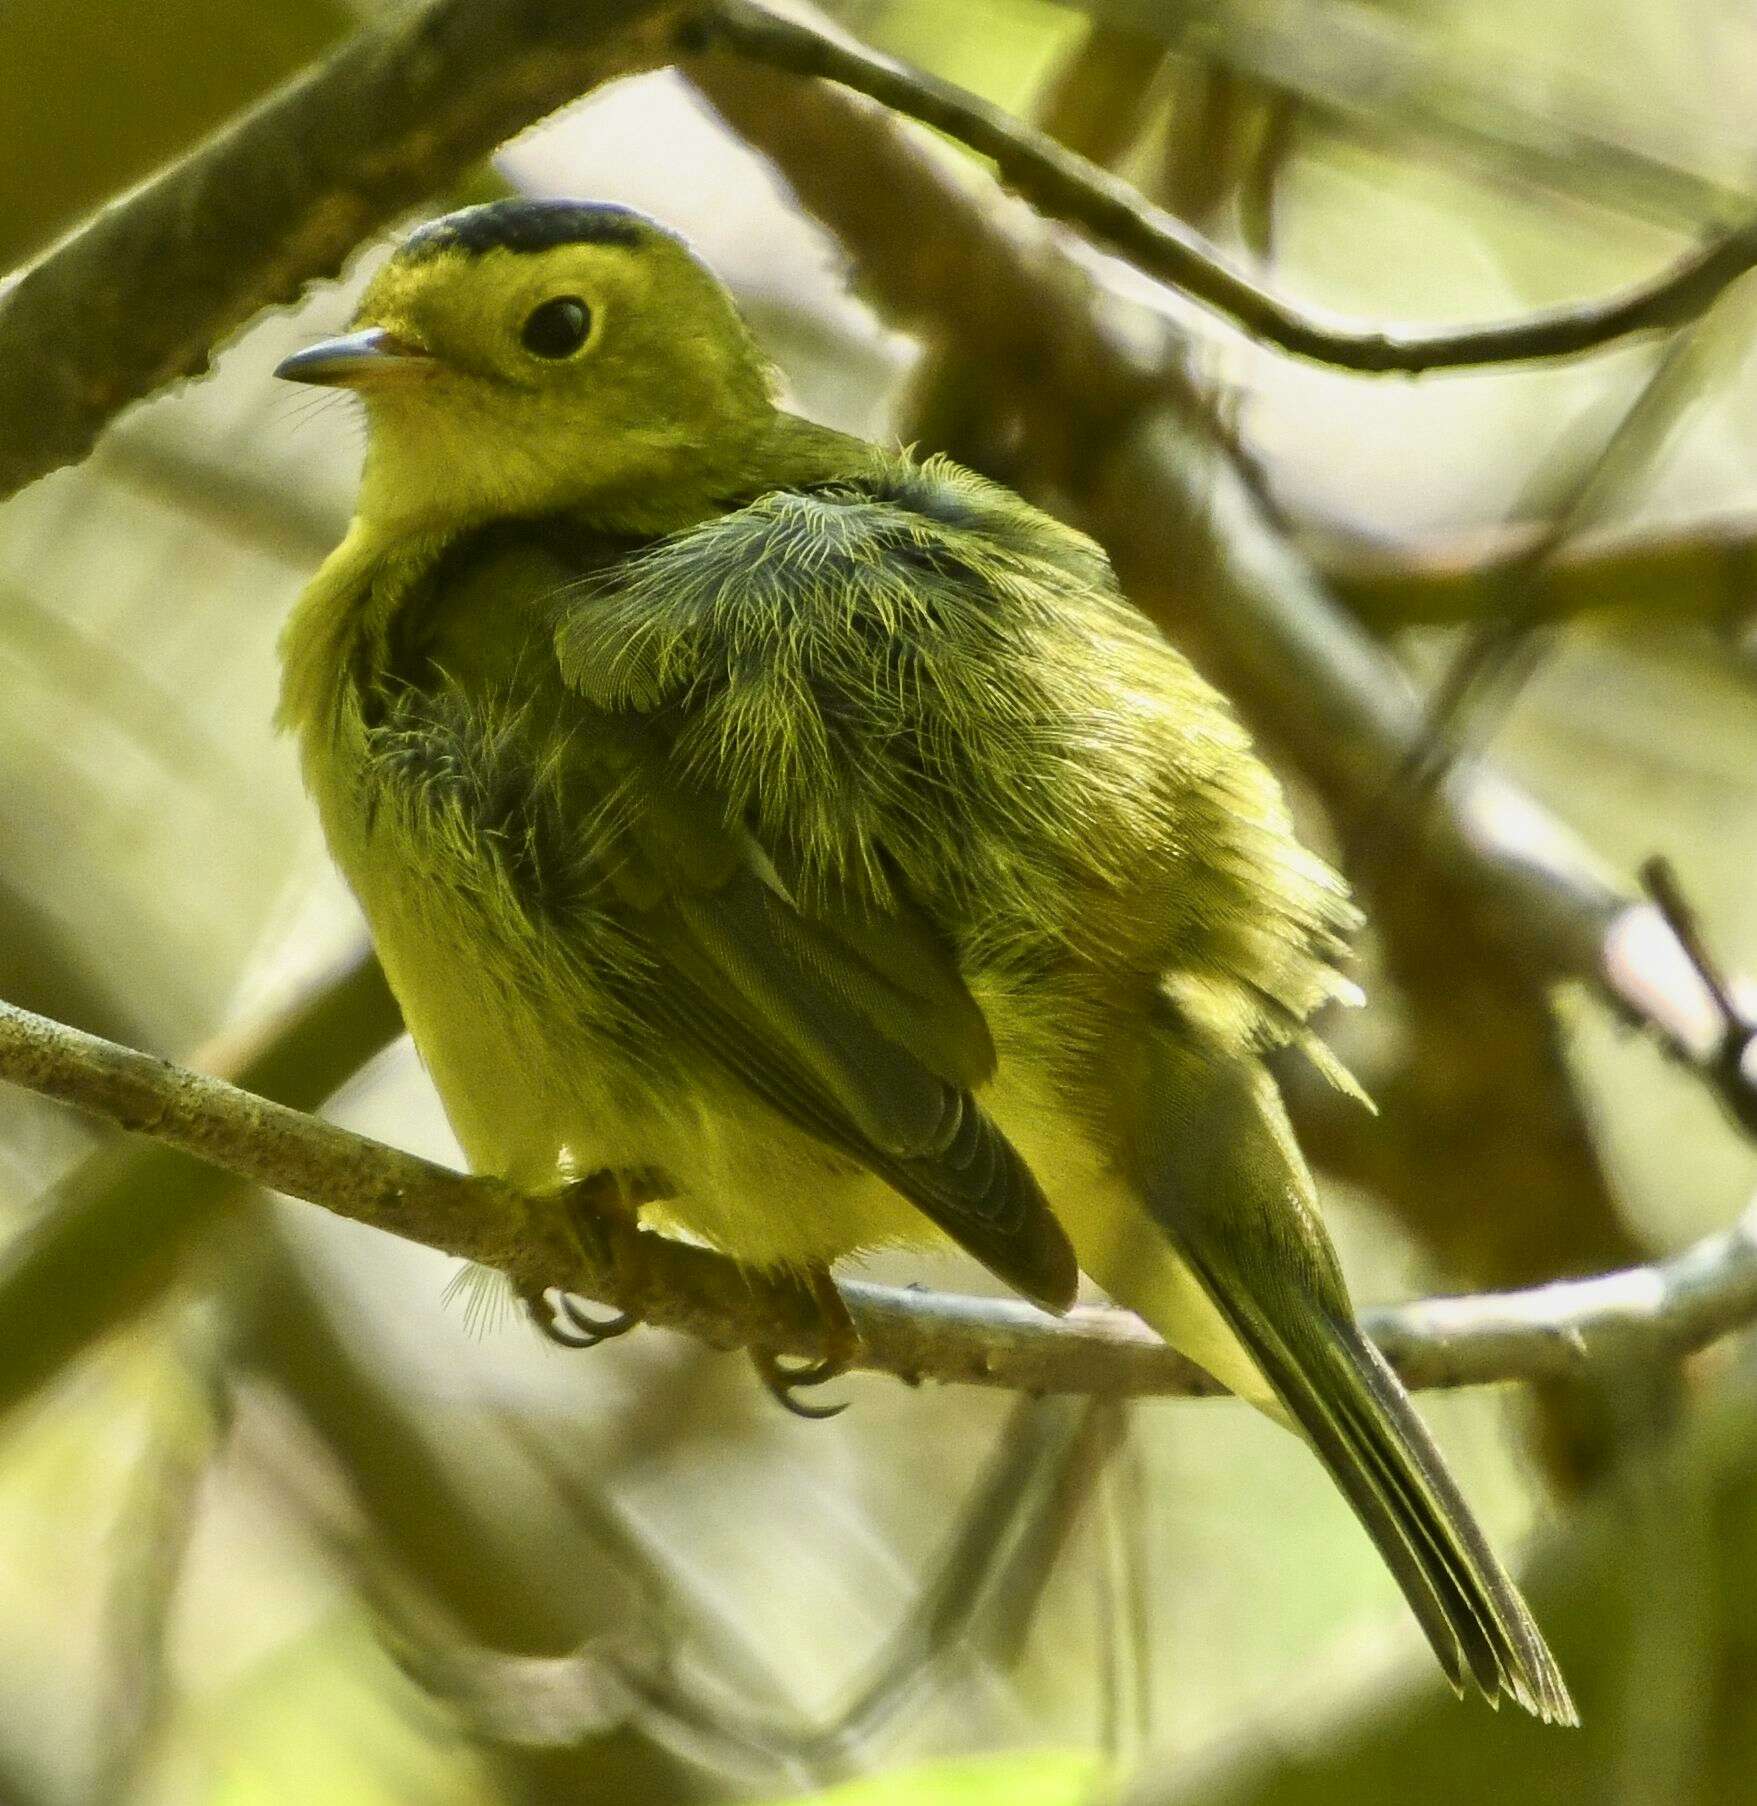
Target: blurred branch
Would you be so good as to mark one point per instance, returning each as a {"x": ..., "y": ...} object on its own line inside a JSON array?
[
  {"x": 71, "y": 105},
  {"x": 1669, "y": 1308},
  {"x": 1096, "y": 102},
  {"x": 115, "y": 1234},
  {"x": 189, "y": 1423},
  {"x": 1703, "y": 572},
  {"x": 107, "y": 683},
  {"x": 1736, "y": 1052},
  {"x": 477, "y": 1565},
  {"x": 985, "y": 1587},
  {"x": 273, "y": 517},
  {"x": 989, "y": 1579},
  {"x": 1211, "y": 135},
  {"x": 1502, "y": 651},
  {"x": 141, "y": 295},
  {"x": 1067, "y": 187},
  {"x": 43, "y": 967},
  {"x": 474, "y": 1581},
  {"x": 1277, "y": 120},
  {"x": 1125, "y": 1575},
  {"x": 1372, "y": 73}
]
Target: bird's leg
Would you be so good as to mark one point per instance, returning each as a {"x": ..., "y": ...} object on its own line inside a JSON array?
[
  {"x": 841, "y": 1343},
  {"x": 604, "y": 1211}
]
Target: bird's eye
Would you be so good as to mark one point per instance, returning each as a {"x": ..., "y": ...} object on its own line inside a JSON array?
[{"x": 558, "y": 328}]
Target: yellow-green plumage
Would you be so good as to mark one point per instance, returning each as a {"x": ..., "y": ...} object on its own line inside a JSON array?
[{"x": 821, "y": 828}]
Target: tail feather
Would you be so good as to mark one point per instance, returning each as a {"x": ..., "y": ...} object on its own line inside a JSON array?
[
  {"x": 1527, "y": 1668},
  {"x": 1361, "y": 1424},
  {"x": 1337, "y": 1440},
  {"x": 1219, "y": 1170}
]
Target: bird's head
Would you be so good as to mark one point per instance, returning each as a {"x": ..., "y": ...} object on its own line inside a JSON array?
[{"x": 531, "y": 355}]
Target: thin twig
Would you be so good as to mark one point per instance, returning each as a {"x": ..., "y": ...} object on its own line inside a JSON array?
[
  {"x": 1069, "y": 188},
  {"x": 1738, "y": 1032},
  {"x": 1671, "y": 1307},
  {"x": 1503, "y": 651}
]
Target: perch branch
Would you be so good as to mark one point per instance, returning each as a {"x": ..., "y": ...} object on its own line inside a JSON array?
[
  {"x": 1670, "y": 1307},
  {"x": 1065, "y": 186},
  {"x": 141, "y": 295}
]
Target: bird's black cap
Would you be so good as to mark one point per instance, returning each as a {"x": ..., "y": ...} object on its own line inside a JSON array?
[{"x": 527, "y": 225}]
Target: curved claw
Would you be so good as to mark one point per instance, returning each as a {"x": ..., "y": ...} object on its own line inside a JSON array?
[
  {"x": 593, "y": 1330},
  {"x": 577, "y": 1327},
  {"x": 782, "y": 1381}
]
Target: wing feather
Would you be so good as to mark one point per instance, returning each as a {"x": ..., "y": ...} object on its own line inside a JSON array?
[{"x": 829, "y": 995}]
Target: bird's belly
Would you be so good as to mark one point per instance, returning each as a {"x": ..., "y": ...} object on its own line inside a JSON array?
[
  {"x": 771, "y": 1197},
  {"x": 512, "y": 1104},
  {"x": 534, "y": 1096}
]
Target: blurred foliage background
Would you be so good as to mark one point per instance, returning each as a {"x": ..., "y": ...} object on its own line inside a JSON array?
[{"x": 295, "y": 1522}]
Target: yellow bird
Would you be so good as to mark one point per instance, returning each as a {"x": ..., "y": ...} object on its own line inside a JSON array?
[{"x": 819, "y": 829}]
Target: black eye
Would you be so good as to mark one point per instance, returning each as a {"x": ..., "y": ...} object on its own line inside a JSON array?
[{"x": 558, "y": 328}]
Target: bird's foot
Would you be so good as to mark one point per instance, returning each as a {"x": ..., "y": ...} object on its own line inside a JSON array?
[
  {"x": 604, "y": 1211},
  {"x": 783, "y": 1378}
]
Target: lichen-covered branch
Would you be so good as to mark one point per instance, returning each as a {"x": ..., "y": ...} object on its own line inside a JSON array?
[
  {"x": 142, "y": 294},
  {"x": 1067, "y": 187},
  {"x": 1668, "y": 1308}
]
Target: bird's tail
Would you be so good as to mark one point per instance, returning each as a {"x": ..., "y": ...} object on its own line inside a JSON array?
[{"x": 1231, "y": 1202}]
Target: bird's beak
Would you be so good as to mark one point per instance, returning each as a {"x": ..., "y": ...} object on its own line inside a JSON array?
[{"x": 371, "y": 359}]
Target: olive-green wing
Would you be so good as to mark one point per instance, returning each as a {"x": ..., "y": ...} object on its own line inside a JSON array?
[
  {"x": 762, "y": 634},
  {"x": 829, "y": 1021},
  {"x": 849, "y": 1019}
]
